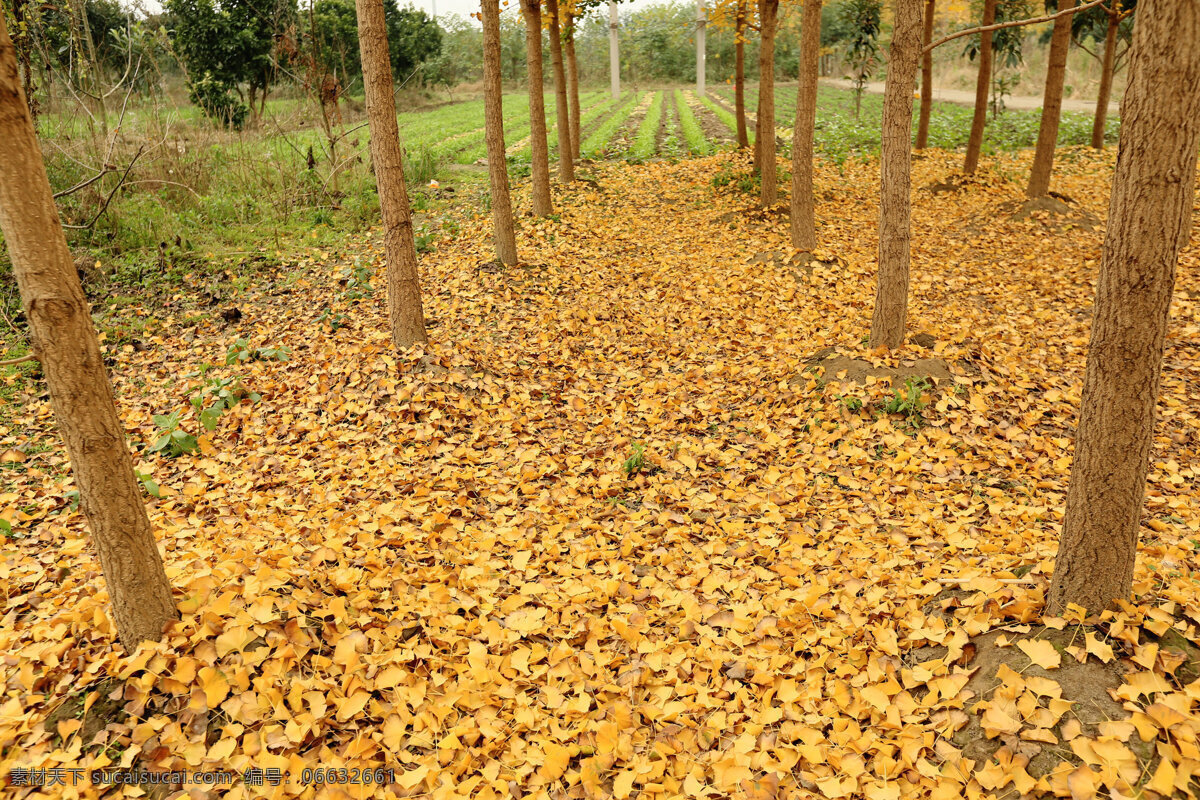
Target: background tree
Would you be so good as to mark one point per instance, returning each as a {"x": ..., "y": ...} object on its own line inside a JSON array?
[
  {"x": 765, "y": 142},
  {"x": 926, "y": 76},
  {"x": 539, "y": 150},
  {"x": 1110, "y": 25},
  {"x": 739, "y": 91},
  {"x": 1056, "y": 70},
  {"x": 983, "y": 83},
  {"x": 891, "y": 290},
  {"x": 64, "y": 340},
  {"x": 566, "y": 160},
  {"x": 412, "y": 37},
  {"x": 803, "y": 211},
  {"x": 224, "y": 44},
  {"x": 1150, "y": 214},
  {"x": 502, "y": 216},
  {"x": 862, "y": 19},
  {"x": 404, "y": 286},
  {"x": 572, "y": 64}
]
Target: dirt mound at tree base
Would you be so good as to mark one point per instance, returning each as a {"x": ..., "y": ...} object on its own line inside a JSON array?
[
  {"x": 1054, "y": 211},
  {"x": 1024, "y": 717},
  {"x": 848, "y": 369}
]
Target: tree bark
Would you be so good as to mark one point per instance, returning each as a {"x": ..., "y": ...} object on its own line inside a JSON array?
[
  {"x": 572, "y": 82},
  {"x": 64, "y": 340},
  {"x": 1106, "y": 78},
  {"x": 926, "y": 78},
  {"x": 566, "y": 159},
  {"x": 768, "y": 190},
  {"x": 1056, "y": 71},
  {"x": 891, "y": 292},
  {"x": 502, "y": 216},
  {"x": 739, "y": 73},
  {"x": 540, "y": 160},
  {"x": 803, "y": 212},
  {"x": 701, "y": 49},
  {"x": 983, "y": 83},
  {"x": 404, "y": 284},
  {"x": 1148, "y": 222}
]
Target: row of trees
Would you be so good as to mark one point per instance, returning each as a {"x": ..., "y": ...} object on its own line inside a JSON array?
[{"x": 1148, "y": 222}]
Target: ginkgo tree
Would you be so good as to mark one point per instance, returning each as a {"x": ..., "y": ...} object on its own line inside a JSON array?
[
  {"x": 406, "y": 315},
  {"x": 65, "y": 342},
  {"x": 539, "y": 167},
  {"x": 803, "y": 208},
  {"x": 1150, "y": 215},
  {"x": 739, "y": 16},
  {"x": 501, "y": 201}
]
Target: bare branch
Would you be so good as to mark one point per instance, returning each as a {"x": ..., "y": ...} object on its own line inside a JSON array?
[
  {"x": 19, "y": 360},
  {"x": 1014, "y": 24},
  {"x": 109, "y": 197},
  {"x": 107, "y": 168}
]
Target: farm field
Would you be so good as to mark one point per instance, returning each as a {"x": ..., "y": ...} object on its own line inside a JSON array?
[{"x": 676, "y": 123}]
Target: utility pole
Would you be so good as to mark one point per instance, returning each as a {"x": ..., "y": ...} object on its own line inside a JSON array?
[
  {"x": 701, "y": 24},
  {"x": 614, "y": 57}
]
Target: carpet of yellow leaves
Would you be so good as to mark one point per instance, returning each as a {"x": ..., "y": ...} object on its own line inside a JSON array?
[{"x": 435, "y": 562}]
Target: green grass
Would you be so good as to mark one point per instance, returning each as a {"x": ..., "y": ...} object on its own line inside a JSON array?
[
  {"x": 672, "y": 147},
  {"x": 840, "y": 135},
  {"x": 693, "y": 135},
  {"x": 646, "y": 142},
  {"x": 594, "y": 146}
]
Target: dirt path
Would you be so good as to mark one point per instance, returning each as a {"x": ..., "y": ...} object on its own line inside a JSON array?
[{"x": 968, "y": 98}]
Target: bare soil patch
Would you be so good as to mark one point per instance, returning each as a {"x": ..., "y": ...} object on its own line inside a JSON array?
[{"x": 837, "y": 366}]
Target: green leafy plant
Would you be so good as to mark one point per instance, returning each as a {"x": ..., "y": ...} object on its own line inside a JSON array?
[
  {"x": 357, "y": 280},
  {"x": 636, "y": 462},
  {"x": 148, "y": 485},
  {"x": 173, "y": 441},
  {"x": 851, "y": 403},
  {"x": 907, "y": 400},
  {"x": 225, "y": 393},
  {"x": 240, "y": 352},
  {"x": 336, "y": 320}
]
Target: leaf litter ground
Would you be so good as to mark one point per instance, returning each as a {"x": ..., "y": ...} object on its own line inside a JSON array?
[{"x": 455, "y": 564}]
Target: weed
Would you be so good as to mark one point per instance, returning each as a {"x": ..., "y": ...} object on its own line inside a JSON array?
[
  {"x": 908, "y": 400},
  {"x": 240, "y": 352},
  {"x": 172, "y": 441},
  {"x": 225, "y": 393},
  {"x": 636, "y": 462},
  {"x": 336, "y": 321}
]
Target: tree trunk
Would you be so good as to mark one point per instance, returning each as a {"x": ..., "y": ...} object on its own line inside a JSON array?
[
  {"x": 64, "y": 340},
  {"x": 926, "y": 78},
  {"x": 701, "y": 50},
  {"x": 404, "y": 286},
  {"x": 803, "y": 214},
  {"x": 1106, "y": 79},
  {"x": 1043, "y": 157},
  {"x": 614, "y": 53},
  {"x": 891, "y": 292},
  {"x": 768, "y": 191},
  {"x": 739, "y": 80},
  {"x": 540, "y": 161},
  {"x": 983, "y": 84},
  {"x": 572, "y": 83},
  {"x": 502, "y": 216},
  {"x": 1148, "y": 221},
  {"x": 566, "y": 160}
]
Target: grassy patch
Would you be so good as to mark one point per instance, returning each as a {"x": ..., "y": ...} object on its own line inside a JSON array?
[
  {"x": 646, "y": 143},
  {"x": 693, "y": 135}
]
